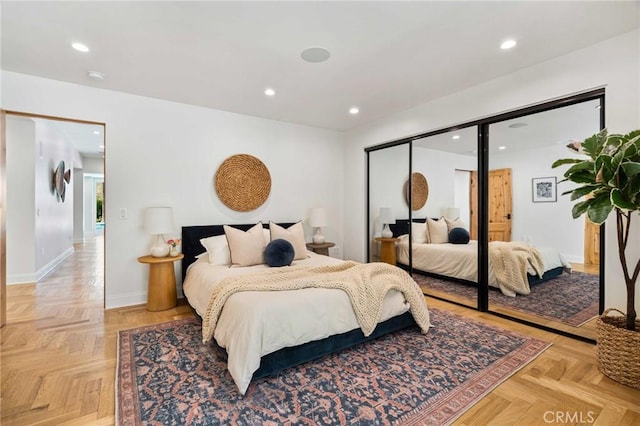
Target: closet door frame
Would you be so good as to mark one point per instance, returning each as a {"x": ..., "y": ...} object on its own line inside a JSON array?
[{"x": 482, "y": 126}]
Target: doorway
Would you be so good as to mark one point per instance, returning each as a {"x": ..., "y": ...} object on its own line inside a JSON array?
[{"x": 46, "y": 159}]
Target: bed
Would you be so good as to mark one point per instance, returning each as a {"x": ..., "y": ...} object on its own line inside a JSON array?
[
  {"x": 266, "y": 332},
  {"x": 459, "y": 262}
]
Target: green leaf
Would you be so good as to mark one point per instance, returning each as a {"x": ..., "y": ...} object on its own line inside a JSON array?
[
  {"x": 582, "y": 191},
  {"x": 631, "y": 169},
  {"x": 583, "y": 165},
  {"x": 593, "y": 145},
  {"x": 565, "y": 161},
  {"x": 599, "y": 211},
  {"x": 619, "y": 201},
  {"x": 580, "y": 208},
  {"x": 582, "y": 177}
]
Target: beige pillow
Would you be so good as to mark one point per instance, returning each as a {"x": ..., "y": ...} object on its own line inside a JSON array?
[
  {"x": 438, "y": 231},
  {"x": 246, "y": 248},
  {"x": 455, "y": 223},
  {"x": 419, "y": 232},
  {"x": 217, "y": 249},
  {"x": 294, "y": 234}
]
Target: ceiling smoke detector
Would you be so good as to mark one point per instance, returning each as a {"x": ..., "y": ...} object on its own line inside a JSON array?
[
  {"x": 315, "y": 54},
  {"x": 95, "y": 75}
]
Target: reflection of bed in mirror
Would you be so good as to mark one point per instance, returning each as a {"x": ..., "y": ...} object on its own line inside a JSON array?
[{"x": 515, "y": 266}]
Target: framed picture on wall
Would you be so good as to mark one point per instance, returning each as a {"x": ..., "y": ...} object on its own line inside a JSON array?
[{"x": 544, "y": 189}]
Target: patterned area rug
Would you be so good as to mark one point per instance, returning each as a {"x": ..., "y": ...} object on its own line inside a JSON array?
[
  {"x": 167, "y": 376},
  {"x": 569, "y": 298}
]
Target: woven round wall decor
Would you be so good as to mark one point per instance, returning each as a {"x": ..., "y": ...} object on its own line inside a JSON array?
[
  {"x": 420, "y": 189},
  {"x": 243, "y": 182}
]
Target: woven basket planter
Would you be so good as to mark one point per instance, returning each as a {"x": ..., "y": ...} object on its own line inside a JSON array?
[{"x": 619, "y": 349}]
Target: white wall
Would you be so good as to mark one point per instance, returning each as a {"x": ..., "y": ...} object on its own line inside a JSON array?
[
  {"x": 439, "y": 168},
  {"x": 614, "y": 64},
  {"x": 544, "y": 224},
  {"x": 21, "y": 202},
  {"x": 165, "y": 153},
  {"x": 53, "y": 218}
]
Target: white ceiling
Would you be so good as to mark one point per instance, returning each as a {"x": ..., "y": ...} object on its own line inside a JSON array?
[
  {"x": 385, "y": 56},
  {"x": 534, "y": 131}
]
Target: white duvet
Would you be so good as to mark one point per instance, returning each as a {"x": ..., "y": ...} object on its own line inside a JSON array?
[
  {"x": 253, "y": 324},
  {"x": 461, "y": 260}
]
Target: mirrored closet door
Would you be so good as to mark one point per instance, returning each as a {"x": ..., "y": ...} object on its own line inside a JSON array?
[
  {"x": 388, "y": 170},
  {"x": 530, "y": 224},
  {"x": 444, "y": 210}
]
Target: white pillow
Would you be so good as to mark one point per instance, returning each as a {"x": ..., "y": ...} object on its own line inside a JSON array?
[
  {"x": 246, "y": 248},
  {"x": 418, "y": 232},
  {"x": 217, "y": 249},
  {"x": 438, "y": 231},
  {"x": 294, "y": 234},
  {"x": 455, "y": 223}
]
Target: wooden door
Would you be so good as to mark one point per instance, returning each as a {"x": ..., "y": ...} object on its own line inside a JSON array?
[
  {"x": 591, "y": 242},
  {"x": 500, "y": 205},
  {"x": 473, "y": 205}
]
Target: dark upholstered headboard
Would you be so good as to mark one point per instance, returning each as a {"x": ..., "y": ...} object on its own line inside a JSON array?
[
  {"x": 401, "y": 227},
  {"x": 191, "y": 236}
]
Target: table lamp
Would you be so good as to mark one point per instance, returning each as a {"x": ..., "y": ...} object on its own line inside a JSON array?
[
  {"x": 159, "y": 221},
  {"x": 318, "y": 219},
  {"x": 386, "y": 217}
]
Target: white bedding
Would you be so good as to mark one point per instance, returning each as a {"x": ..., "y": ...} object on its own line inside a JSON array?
[
  {"x": 461, "y": 260},
  {"x": 253, "y": 324}
]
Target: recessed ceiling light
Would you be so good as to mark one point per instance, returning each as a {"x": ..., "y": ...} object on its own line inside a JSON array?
[
  {"x": 269, "y": 92},
  {"x": 95, "y": 75},
  {"x": 354, "y": 110},
  {"x": 502, "y": 148},
  {"x": 455, "y": 137},
  {"x": 508, "y": 44},
  {"x": 517, "y": 125},
  {"x": 315, "y": 54},
  {"x": 80, "y": 47}
]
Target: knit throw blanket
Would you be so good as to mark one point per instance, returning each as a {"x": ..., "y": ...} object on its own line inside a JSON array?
[
  {"x": 510, "y": 262},
  {"x": 365, "y": 283}
]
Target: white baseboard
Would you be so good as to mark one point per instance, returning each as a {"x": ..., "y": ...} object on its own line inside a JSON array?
[
  {"x": 14, "y": 279},
  {"x": 36, "y": 276},
  {"x": 40, "y": 273},
  {"x": 129, "y": 299}
]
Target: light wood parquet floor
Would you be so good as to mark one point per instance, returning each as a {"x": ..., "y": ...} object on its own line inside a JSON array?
[{"x": 58, "y": 360}]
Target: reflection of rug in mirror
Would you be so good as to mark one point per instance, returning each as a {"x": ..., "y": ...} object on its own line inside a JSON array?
[
  {"x": 569, "y": 298},
  {"x": 167, "y": 376}
]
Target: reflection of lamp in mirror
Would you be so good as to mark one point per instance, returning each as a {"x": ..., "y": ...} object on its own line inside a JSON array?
[
  {"x": 159, "y": 221},
  {"x": 318, "y": 219},
  {"x": 451, "y": 213},
  {"x": 386, "y": 217}
]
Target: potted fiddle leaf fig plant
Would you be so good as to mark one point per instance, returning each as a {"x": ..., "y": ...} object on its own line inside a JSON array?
[{"x": 609, "y": 178}]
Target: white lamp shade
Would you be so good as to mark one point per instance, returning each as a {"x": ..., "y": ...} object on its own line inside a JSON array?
[
  {"x": 158, "y": 220},
  {"x": 386, "y": 215},
  {"x": 451, "y": 213},
  {"x": 317, "y": 217}
]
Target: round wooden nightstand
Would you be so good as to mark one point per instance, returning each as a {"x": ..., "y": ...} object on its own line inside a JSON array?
[
  {"x": 161, "y": 290},
  {"x": 387, "y": 250},
  {"x": 320, "y": 248}
]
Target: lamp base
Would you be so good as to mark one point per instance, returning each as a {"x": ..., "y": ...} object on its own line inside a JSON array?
[
  {"x": 386, "y": 231},
  {"x": 160, "y": 248},
  {"x": 318, "y": 238}
]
